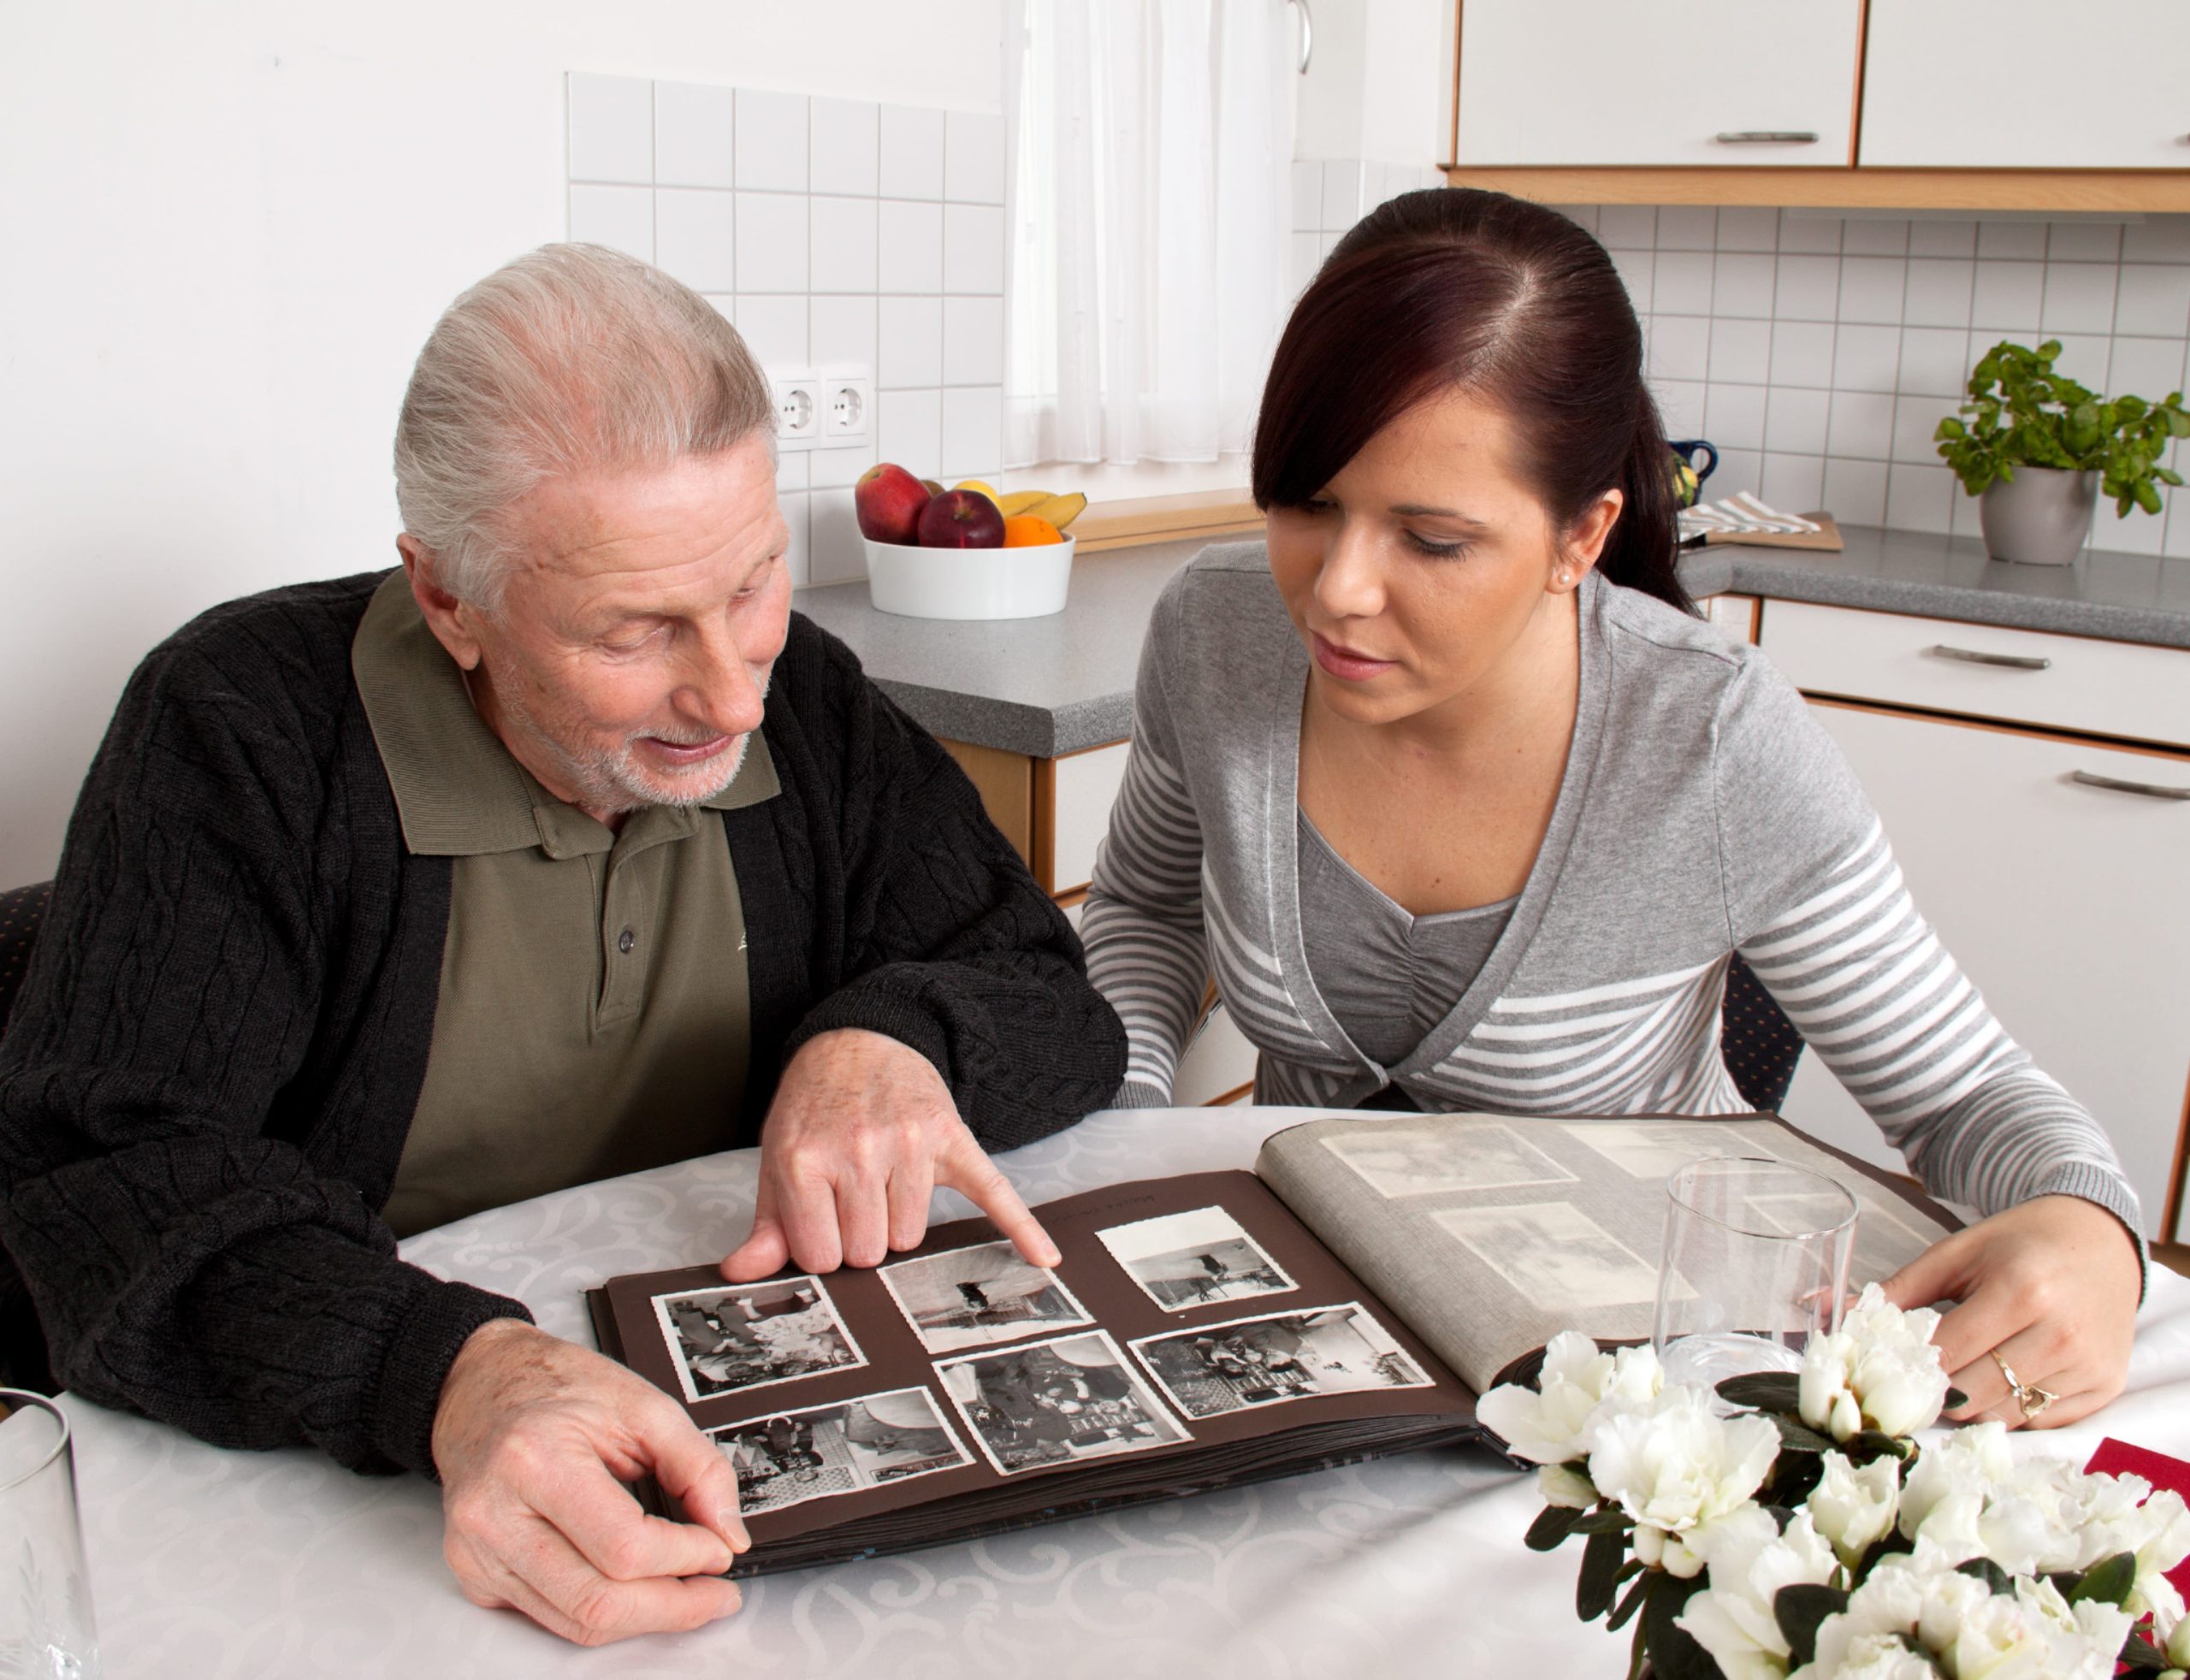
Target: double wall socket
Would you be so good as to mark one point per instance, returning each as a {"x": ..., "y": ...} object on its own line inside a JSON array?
[{"x": 822, "y": 408}]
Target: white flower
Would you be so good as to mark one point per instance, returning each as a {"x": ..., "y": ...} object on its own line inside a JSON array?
[
  {"x": 2178, "y": 1644},
  {"x": 1854, "y": 1508},
  {"x": 2122, "y": 1513},
  {"x": 1550, "y": 1424},
  {"x": 1680, "y": 1467},
  {"x": 1971, "y": 1632},
  {"x": 1750, "y": 1560},
  {"x": 1973, "y": 1459},
  {"x": 1567, "y": 1487},
  {"x": 1879, "y": 1370},
  {"x": 1876, "y": 1656}
]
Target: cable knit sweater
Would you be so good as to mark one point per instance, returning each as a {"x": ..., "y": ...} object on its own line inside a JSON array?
[{"x": 208, "y": 1078}]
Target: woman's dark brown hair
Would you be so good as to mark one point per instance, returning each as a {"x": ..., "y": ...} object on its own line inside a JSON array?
[{"x": 1457, "y": 288}]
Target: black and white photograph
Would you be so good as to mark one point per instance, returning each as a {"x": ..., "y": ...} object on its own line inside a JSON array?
[
  {"x": 825, "y": 1450},
  {"x": 1190, "y": 1259},
  {"x": 1553, "y": 1255},
  {"x": 979, "y": 1296},
  {"x": 1425, "y": 1160},
  {"x": 1884, "y": 1242},
  {"x": 1281, "y": 1356},
  {"x": 1655, "y": 1152},
  {"x": 748, "y": 1335},
  {"x": 1057, "y": 1402}
]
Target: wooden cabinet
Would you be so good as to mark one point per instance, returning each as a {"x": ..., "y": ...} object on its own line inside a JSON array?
[
  {"x": 1915, "y": 104},
  {"x": 2064, "y": 902},
  {"x": 1733, "y": 83},
  {"x": 2026, "y": 84},
  {"x": 1056, "y": 811}
]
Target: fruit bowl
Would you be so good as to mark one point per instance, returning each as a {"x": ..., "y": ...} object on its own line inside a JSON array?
[{"x": 1022, "y": 583}]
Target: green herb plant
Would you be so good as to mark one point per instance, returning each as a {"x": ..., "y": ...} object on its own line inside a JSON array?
[{"x": 2022, "y": 413}]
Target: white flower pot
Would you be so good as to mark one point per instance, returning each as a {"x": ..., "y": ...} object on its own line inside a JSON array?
[
  {"x": 2042, "y": 518},
  {"x": 1027, "y": 582}
]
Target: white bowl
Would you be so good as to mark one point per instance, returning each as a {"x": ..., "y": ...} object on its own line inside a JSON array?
[{"x": 1026, "y": 582}]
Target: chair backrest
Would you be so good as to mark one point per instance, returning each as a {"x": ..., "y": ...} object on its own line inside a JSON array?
[
  {"x": 1756, "y": 1041},
  {"x": 22, "y": 1343},
  {"x": 20, "y": 912}
]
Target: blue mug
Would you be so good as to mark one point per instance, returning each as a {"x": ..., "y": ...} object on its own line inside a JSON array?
[{"x": 1689, "y": 472}]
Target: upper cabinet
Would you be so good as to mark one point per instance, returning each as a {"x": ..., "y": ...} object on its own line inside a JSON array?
[
  {"x": 1970, "y": 105},
  {"x": 2026, "y": 83},
  {"x": 1623, "y": 82}
]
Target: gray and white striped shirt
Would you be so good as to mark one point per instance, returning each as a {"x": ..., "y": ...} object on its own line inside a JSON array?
[{"x": 1703, "y": 812}]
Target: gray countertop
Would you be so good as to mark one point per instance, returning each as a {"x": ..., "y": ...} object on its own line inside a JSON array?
[{"x": 1050, "y": 686}]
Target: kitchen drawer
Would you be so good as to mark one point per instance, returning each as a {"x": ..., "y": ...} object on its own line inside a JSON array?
[
  {"x": 2124, "y": 689},
  {"x": 1734, "y": 614},
  {"x": 1218, "y": 1062},
  {"x": 1084, "y": 787}
]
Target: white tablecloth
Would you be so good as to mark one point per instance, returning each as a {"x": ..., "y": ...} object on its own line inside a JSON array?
[{"x": 208, "y": 1563}]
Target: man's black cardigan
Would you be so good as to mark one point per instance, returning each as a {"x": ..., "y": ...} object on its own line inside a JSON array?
[{"x": 210, "y": 1073}]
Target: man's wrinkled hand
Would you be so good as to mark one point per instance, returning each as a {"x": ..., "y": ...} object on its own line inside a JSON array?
[
  {"x": 862, "y": 1131},
  {"x": 534, "y": 1438}
]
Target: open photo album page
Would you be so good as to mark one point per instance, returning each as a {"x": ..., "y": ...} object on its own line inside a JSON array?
[{"x": 1186, "y": 1314}]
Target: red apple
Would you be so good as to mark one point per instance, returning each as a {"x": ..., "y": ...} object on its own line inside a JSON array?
[
  {"x": 960, "y": 519},
  {"x": 888, "y": 501}
]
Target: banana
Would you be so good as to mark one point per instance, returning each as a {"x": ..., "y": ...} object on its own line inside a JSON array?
[
  {"x": 1059, "y": 511},
  {"x": 1019, "y": 501}
]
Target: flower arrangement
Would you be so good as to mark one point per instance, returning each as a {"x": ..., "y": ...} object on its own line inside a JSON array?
[{"x": 1798, "y": 1532}]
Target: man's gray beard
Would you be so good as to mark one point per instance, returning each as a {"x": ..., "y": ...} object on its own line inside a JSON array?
[{"x": 608, "y": 781}]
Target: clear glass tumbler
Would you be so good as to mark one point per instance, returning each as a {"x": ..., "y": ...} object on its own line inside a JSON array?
[
  {"x": 1756, "y": 1263},
  {"x": 46, "y": 1630}
]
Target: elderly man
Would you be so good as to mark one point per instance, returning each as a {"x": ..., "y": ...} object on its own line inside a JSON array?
[{"x": 566, "y": 850}]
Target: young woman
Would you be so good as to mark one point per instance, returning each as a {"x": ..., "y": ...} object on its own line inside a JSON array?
[{"x": 1464, "y": 809}]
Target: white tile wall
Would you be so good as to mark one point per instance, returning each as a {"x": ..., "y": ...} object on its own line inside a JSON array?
[
  {"x": 1820, "y": 353},
  {"x": 827, "y": 231}
]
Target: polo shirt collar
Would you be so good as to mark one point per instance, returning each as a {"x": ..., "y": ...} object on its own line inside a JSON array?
[{"x": 458, "y": 790}]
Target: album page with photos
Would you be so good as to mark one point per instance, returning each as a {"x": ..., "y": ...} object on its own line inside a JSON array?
[
  {"x": 1347, "y": 1299},
  {"x": 1194, "y": 1335},
  {"x": 1488, "y": 1234}
]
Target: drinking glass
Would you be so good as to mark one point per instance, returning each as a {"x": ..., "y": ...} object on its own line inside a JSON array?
[
  {"x": 45, "y": 1597},
  {"x": 1756, "y": 1263}
]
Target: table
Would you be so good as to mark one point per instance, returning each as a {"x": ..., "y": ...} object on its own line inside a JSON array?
[{"x": 208, "y": 1563}]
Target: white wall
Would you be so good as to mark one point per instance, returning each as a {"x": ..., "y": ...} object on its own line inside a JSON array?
[{"x": 230, "y": 226}]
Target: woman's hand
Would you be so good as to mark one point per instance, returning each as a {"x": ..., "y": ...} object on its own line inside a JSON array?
[{"x": 2051, "y": 1286}]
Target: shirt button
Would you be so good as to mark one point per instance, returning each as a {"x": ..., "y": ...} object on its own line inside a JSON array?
[{"x": 625, "y": 941}]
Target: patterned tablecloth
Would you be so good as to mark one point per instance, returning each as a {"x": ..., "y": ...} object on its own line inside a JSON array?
[{"x": 208, "y": 1563}]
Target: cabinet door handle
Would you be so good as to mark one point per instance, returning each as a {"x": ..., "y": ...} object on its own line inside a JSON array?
[
  {"x": 1766, "y": 136},
  {"x": 2012, "y": 661},
  {"x": 2149, "y": 790}
]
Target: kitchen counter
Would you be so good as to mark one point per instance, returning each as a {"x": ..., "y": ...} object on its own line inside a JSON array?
[{"x": 1047, "y": 687}]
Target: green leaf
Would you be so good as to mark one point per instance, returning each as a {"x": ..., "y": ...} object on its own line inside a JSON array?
[
  {"x": 1550, "y": 1528},
  {"x": 2138, "y": 1654},
  {"x": 1600, "y": 1567},
  {"x": 1951, "y": 428},
  {"x": 1801, "y": 1611},
  {"x": 1605, "y": 1519},
  {"x": 1985, "y": 1570},
  {"x": 2107, "y": 1582},
  {"x": 1673, "y": 1654},
  {"x": 1766, "y": 1390},
  {"x": 1630, "y": 1604},
  {"x": 1871, "y": 1444},
  {"x": 2167, "y": 475},
  {"x": 1795, "y": 1436},
  {"x": 2147, "y": 495}
]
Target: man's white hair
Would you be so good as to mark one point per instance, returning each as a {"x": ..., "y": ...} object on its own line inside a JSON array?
[{"x": 572, "y": 358}]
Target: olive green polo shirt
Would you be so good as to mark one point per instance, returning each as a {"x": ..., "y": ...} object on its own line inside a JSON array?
[{"x": 593, "y": 1017}]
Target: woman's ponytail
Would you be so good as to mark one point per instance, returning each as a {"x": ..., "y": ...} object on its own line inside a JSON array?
[{"x": 1643, "y": 549}]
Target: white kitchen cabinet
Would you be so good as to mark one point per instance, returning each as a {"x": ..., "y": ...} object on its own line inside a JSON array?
[
  {"x": 1218, "y": 1062},
  {"x": 1085, "y": 786},
  {"x": 2065, "y": 904},
  {"x": 2025, "y": 84},
  {"x": 1647, "y": 82}
]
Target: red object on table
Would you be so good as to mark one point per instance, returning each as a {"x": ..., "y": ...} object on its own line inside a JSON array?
[{"x": 2119, "y": 1457}]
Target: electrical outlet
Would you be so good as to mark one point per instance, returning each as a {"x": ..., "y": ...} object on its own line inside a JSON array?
[
  {"x": 846, "y": 403},
  {"x": 798, "y": 407}
]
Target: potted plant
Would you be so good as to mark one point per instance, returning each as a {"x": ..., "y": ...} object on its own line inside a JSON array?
[{"x": 2038, "y": 448}]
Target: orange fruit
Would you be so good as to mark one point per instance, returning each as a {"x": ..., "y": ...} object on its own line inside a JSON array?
[{"x": 1026, "y": 530}]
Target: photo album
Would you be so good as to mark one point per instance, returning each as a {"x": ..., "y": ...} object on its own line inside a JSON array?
[{"x": 1347, "y": 1299}]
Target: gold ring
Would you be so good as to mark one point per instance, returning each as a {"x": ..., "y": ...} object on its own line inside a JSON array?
[{"x": 2030, "y": 1399}]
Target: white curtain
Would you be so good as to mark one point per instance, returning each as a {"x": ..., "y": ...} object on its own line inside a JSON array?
[{"x": 1148, "y": 260}]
